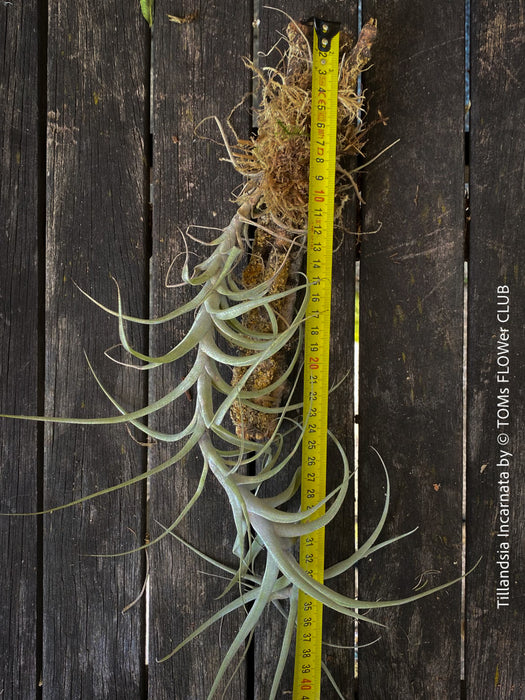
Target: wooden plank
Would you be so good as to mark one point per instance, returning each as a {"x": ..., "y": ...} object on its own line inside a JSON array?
[
  {"x": 197, "y": 73},
  {"x": 340, "y": 535},
  {"x": 411, "y": 298},
  {"x": 95, "y": 228},
  {"x": 21, "y": 165},
  {"x": 495, "y": 620}
]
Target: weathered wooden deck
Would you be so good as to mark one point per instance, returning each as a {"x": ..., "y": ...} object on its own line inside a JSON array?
[{"x": 99, "y": 167}]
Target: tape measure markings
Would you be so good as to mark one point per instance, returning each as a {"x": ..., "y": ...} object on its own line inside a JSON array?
[{"x": 323, "y": 134}]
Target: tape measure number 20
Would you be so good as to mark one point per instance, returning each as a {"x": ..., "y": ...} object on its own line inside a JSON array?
[{"x": 323, "y": 135}]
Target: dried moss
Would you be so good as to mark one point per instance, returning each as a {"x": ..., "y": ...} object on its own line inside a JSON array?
[
  {"x": 276, "y": 169},
  {"x": 276, "y": 162}
]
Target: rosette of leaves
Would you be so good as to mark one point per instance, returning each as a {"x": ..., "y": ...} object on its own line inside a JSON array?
[{"x": 267, "y": 528}]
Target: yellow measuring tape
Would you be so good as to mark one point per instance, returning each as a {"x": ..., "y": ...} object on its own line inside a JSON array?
[{"x": 323, "y": 133}]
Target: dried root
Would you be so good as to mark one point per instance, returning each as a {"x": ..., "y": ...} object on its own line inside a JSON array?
[
  {"x": 276, "y": 167},
  {"x": 259, "y": 319},
  {"x": 276, "y": 162}
]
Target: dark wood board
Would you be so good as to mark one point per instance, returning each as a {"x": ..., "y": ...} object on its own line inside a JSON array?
[
  {"x": 197, "y": 73},
  {"x": 74, "y": 207},
  {"x": 338, "y": 630},
  {"x": 411, "y": 301},
  {"x": 96, "y": 88},
  {"x": 495, "y": 623},
  {"x": 21, "y": 225}
]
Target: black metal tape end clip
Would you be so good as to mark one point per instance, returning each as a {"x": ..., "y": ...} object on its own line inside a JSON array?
[{"x": 325, "y": 30}]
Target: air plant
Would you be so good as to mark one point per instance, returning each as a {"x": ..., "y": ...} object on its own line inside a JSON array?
[{"x": 250, "y": 292}]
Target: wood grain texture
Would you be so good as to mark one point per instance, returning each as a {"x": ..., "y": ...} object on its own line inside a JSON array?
[
  {"x": 411, "y": 299},
  {"x": 197, "y": 73},
  {"x": 84, "y": 189},
  {"x": 21, "y": 226},
  {"x": 495, "y": 636},
  {"x": 95, "y": 229}
]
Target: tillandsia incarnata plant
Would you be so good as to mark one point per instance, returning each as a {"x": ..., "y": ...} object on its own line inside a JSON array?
[{"x": 259, "y": 312}]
